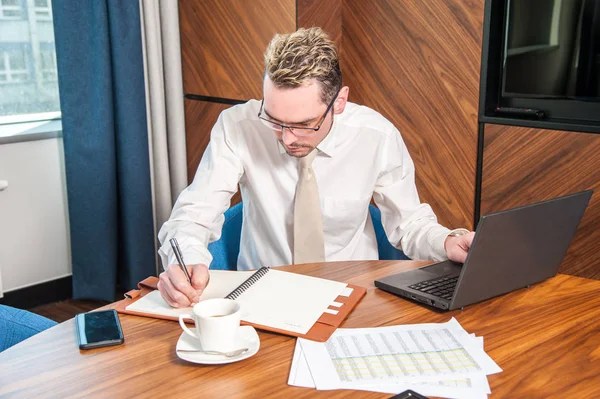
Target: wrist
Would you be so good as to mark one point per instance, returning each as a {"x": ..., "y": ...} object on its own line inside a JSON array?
[
  {"x": 458, "y": 232},
  {"x": 455, "y": 233}
]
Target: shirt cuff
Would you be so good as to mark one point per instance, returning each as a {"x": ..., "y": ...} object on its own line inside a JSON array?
[
  {"x": 438, "y": 252},
  {"x": 193, "y": 253}
]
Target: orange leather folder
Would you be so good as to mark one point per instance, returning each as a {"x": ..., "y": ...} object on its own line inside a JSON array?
[{"x": 320, "y": 331}]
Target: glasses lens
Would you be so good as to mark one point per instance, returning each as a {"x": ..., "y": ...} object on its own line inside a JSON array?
[
  {"x": 271, "y": 125},
  {"x": 298, "y": 131},
  {"x": 302, "y": 131}
]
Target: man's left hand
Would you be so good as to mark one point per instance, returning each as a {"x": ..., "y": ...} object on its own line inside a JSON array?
[{"x": 457, "y": 247}]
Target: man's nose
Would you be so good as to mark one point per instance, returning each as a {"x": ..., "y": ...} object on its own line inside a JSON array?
[{"x": 288, "y": 137}]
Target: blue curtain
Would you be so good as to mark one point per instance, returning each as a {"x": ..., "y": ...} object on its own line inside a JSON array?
[{"x": 102, "y": 98}]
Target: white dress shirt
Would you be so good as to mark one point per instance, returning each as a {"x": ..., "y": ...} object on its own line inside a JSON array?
[{"x": 362, "y": 157}]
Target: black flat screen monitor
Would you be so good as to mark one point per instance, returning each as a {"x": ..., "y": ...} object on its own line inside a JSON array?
[{"x": 552, "y": 49}]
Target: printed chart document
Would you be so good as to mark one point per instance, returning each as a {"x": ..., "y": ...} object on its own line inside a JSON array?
[
  {"x": 277, "y": 299},
  {"x": 432, "y": 359},
  {"x": 465, "y": 388}
]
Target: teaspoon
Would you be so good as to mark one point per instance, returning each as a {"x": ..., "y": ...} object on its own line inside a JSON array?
[{"x": 226, "y": 354}]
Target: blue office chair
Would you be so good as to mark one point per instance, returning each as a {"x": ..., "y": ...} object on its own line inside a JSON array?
[
  {"x": 386, "y": 250},
  {"x": 225, "y": 250},
  {"x": 17, "y": 325}
]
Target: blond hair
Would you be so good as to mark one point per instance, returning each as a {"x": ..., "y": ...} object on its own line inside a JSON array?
[{"x": 293, "y": 58}]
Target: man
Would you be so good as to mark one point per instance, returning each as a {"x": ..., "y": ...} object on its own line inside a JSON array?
[{"x": 308, "y": 163}]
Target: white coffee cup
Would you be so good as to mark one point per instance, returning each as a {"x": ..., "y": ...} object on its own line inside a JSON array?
[{"x": 216, "y": 323}]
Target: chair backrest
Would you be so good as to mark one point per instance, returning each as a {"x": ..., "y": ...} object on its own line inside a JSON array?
[
  {"x": 225, "y": 250},
  {"x": 386, "y": 250},
  {"x": 17, "y": 325}
]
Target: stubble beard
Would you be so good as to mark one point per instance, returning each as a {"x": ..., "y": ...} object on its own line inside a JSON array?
[{"x": 297, "y": 154}]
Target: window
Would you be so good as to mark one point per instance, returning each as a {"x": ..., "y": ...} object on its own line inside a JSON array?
[
  {"x": 10, "y": 9},
  {"x": 42, "y": 10},
  {"x": 28, "y": 73},
  {"x": 13, "y": 66},
  {"x": 48, "y": 65}
]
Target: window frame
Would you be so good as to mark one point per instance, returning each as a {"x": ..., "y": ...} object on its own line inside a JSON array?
[
  {"x": 18, "y": 7},
  {"x": 8, "y": 71},
  {"x": 47, "y": 10}
]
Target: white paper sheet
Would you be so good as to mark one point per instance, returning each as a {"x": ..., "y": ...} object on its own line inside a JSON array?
[
  {"x": 472, "y": 386},
  {"x": 466, "y": 388}
]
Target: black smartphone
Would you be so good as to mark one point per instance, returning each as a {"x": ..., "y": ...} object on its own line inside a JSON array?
[
  {"x": 408, "y": 394},
  {"x": 98, "y": 329}
]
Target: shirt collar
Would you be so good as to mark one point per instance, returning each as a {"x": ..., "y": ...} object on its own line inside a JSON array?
[{"x": 329, "y": 144}]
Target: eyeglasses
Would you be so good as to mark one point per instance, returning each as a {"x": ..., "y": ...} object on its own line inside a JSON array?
[{"x": 297, "y": 130}]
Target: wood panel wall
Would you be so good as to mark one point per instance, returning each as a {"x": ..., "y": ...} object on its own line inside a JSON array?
[
  {"x": 417, "y": 62},
  {"x": 524, "y": 165},
  {"x": 325, "y": 14},
  {"x": 223, "y": 41}
]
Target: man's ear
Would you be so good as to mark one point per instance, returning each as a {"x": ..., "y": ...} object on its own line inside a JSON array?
[{"x": 340, "y": 102}]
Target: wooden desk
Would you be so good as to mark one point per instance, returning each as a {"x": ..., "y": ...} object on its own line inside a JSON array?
[{"x": 545, "y": 338}]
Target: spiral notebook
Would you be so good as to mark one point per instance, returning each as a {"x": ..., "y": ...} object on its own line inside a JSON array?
[{"x": 270, "y": 299}]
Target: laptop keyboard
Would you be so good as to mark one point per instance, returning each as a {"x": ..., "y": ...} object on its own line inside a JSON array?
[{"x": 442, "y": 287}]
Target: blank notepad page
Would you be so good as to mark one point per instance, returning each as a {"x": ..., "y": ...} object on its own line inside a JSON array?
[{"x": 288, "y": 301}]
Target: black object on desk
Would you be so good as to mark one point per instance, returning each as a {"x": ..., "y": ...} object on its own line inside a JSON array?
[
  {"x": 98, "y": 329},
  {"x": 409, "y": 394}
]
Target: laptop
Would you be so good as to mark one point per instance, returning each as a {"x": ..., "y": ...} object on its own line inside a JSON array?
[{"x": 512, "y": 249}]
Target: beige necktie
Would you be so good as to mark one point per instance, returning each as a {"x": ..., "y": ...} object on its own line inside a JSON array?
[{"x": 309, "y": 245}]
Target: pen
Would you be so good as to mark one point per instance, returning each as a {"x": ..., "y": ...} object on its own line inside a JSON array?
[{"x": 179, "y": 257}]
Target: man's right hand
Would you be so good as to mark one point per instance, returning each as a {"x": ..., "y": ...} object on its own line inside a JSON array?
[{"x": 177, "y": 291}]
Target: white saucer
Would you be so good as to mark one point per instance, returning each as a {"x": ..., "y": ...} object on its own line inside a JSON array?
[{"x": 246, "y": 337}]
